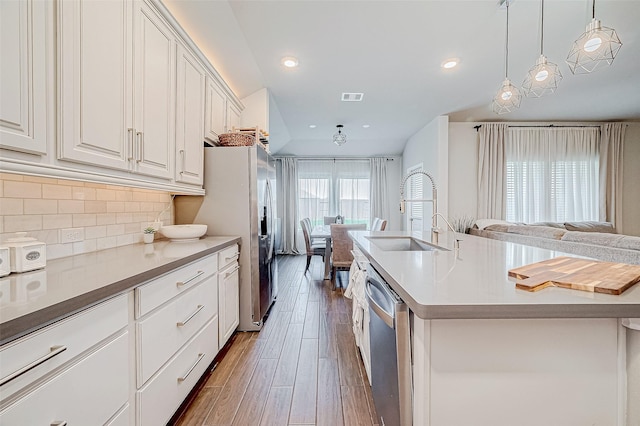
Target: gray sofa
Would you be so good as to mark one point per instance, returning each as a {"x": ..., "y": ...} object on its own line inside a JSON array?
[{"x": 580, "y": 238}]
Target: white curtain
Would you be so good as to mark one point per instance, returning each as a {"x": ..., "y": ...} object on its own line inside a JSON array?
[
  {"x": 611, "y": 147},
  {"x": 289, "y": 190},
  {"x": 379, "y": 202},
  {"x": 552, "y": 174},
  {"x": 491, "y": 172}
]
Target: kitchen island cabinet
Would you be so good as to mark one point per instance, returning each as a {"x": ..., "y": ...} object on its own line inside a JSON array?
[
  {"x": 131, "y": 330},
  {"x": 486, "y": 353}
]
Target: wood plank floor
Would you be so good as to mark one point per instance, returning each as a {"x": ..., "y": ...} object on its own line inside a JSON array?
[{"x": 302, "y": 368}]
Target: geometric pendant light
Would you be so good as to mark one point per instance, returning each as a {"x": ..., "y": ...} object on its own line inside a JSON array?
[
  {"x": 339, "y": 138},
  {"x": 543, "y": 78},
  {"x": 598, "y": 46},
  {"x": 508, "y": 97}
]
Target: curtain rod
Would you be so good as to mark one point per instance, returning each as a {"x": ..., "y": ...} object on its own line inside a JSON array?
[
  {"x": 547, "y": 126},
  {"x": 330, "y": 158}
]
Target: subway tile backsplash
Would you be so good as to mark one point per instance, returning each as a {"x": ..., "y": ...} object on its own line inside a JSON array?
[{"x": 109, "y": 215}]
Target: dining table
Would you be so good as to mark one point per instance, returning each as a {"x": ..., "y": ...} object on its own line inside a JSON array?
[{"x": 324, "y": 232}]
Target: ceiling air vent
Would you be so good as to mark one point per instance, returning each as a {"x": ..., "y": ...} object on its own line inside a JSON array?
[{"x": 352, "y": 97}]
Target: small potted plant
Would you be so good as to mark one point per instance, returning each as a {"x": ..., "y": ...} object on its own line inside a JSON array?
[{"x": 148, "y": 234}]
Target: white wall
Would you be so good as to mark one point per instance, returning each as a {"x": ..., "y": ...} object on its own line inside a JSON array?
[
  {"x": 256, "y": 110},
  {"x": 463, "y": 166},
  {"x": 429, "y": 146}
]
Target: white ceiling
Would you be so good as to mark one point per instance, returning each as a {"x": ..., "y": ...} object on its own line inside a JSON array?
[{"x": 392, "y": 50}]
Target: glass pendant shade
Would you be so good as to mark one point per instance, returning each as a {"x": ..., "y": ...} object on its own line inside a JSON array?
[
  {"x": 542, "y": 78},
  {"x": 598, "y": 46},
  {"x": 507, "y": 99},
  {"x": 339, "y": 138}
]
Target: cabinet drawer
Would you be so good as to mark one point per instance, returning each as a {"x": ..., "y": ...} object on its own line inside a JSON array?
[
  {"x": 228, "y": 256},
  {"x": 159, "y": 290},
  {"x": 121, "y": 418},
  {"x": 58, "y": 343},
  {"x": 88, "y": 393},
  {"x": 161, "y": 396},
  {"x": 162, "y": 333}
]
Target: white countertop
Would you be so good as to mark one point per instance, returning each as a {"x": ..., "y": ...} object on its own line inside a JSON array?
[
  {"x": 33, "y": 299},
  {"x": 473, "y": 282}
]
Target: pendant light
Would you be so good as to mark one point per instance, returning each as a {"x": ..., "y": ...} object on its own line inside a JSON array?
[
  {"x": 339, "y": 138},
  {"x": 543, "y": 78},
  {"x": 508, "y": 97},
  {"x": 597, "y": 46}
]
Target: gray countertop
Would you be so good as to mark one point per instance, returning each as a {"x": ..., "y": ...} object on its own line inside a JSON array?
[
  {"x": 473, "y": 282},
  {"x": 34, "y": 299}
]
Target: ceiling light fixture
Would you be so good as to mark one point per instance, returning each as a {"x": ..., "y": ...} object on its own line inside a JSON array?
[
  {"x": 544, "y": 76},
  {"x": 312, "y": 126},
  {"x": 450, "y": 63},
  {"x": 289, "y": 62},
  {"x": 366, "y": 126},
  {"x": 339, "y": 138},
  {"x": 598, "y": 45},
  {"x": 508, "y": 97}
]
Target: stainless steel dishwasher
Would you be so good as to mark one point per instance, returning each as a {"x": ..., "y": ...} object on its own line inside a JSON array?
[{"x": 390, "y": 352}]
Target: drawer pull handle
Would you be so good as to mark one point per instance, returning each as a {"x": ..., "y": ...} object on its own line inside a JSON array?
[
  {"x": 185, "y": 282},
  {"x": 236, "y": 254},
  {"x": 183, "y": 378},
  {"x": 55, "y": 350},
  {"x": 231, "y": 272},
  {"x": 182, "y": 323},
  {"x": 59, "y": 423}
]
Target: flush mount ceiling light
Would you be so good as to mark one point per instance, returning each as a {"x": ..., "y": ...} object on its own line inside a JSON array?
[
  {"x": 312, "y": 126},
  {"x": 289, "y": 62},
  {"x": 366, "y": 126},
  {"x": 597, "y": 46},
  {"x": 450, "y": 63},
  {"x": 508, "y": 97},
  {"x": 543, "y": 78},
  {"x": 339, "y": 138}
]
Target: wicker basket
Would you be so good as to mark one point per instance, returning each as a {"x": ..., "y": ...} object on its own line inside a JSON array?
[{"x": 236, "y": 139}]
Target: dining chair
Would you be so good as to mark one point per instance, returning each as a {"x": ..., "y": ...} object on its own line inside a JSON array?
[
  {"x": 378, "y": 224},
  {"x": 328, "y": 220},
  {"x": 313, "y": 249},
  {"x": 342, "y": 244}
]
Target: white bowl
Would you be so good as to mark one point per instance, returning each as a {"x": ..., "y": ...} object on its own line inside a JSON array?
[{"x": 182, "y": 233}]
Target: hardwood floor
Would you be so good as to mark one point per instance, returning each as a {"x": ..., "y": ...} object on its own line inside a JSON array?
[{"x": 302, "y": 368}]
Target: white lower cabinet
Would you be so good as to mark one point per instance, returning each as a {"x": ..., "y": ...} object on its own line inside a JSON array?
[
  {"x": 162, "y": 395},
  {"x": 229, "y": 295},
  {"x": 89, "y": 392}
]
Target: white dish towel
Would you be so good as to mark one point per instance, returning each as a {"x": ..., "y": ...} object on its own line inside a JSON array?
[{"x": 355, "y": 291}]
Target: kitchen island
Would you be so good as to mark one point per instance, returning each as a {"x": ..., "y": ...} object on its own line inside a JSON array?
[{"x": 486, "y": 353}]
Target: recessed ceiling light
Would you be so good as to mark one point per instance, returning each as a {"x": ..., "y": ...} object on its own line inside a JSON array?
[
  {"x": 312, "y": 126},
  {"x": 366, "y": 126},
  {"x": 289, "y": 62},
  {"x": 450, "y": 63}
]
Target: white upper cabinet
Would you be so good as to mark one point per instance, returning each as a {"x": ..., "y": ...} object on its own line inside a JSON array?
[
  {"x": 233, "y": 116},
  {"x": 95, "y": 82},
  {"x": 26, "y": 76},
  {"x": 154, "y": 94},
  {"x": 190, "y": 118},
  {"x": 107, "y": 117},
  {"x": 216, "y": 111}
]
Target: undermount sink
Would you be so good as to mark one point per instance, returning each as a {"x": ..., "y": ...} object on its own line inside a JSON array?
[
  {"x": 184, "y": 233},
  {"x": 402, "y": 244}
]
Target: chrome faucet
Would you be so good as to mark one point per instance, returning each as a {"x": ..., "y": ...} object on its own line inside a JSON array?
[
  {"x": 434, "y": 200},
  {"x": 456, "y": 241}
]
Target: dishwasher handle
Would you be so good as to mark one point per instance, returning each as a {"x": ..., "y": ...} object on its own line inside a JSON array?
[{"x": 377, "y": 299}]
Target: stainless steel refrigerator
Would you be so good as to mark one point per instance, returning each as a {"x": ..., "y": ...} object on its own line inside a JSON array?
[{"x": 240, "y": 186}]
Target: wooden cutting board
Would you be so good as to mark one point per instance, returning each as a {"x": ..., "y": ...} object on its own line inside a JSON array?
[{"x": 577, "y": 274}]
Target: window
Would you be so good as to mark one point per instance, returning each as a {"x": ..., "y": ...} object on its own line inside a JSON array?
[
  {"x": 552, "y": 174},
  {"x": 330, "y": 188},
  {"x": 414, "y": 191}
]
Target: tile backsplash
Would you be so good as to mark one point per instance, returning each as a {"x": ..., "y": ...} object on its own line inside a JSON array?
[{"x": 105, "y": 215}]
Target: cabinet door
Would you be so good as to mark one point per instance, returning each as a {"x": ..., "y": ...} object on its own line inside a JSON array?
[
  {"x": 95, "y": 81},
  {"x": 216, "y": 111},
  {"x": 154, "y": 94},
  {"x": 26, "y": 75},
  {"x": 233, "y": 116},
  {"x": 229, "y": 298},
  {"x": 190, "y": 118}
]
